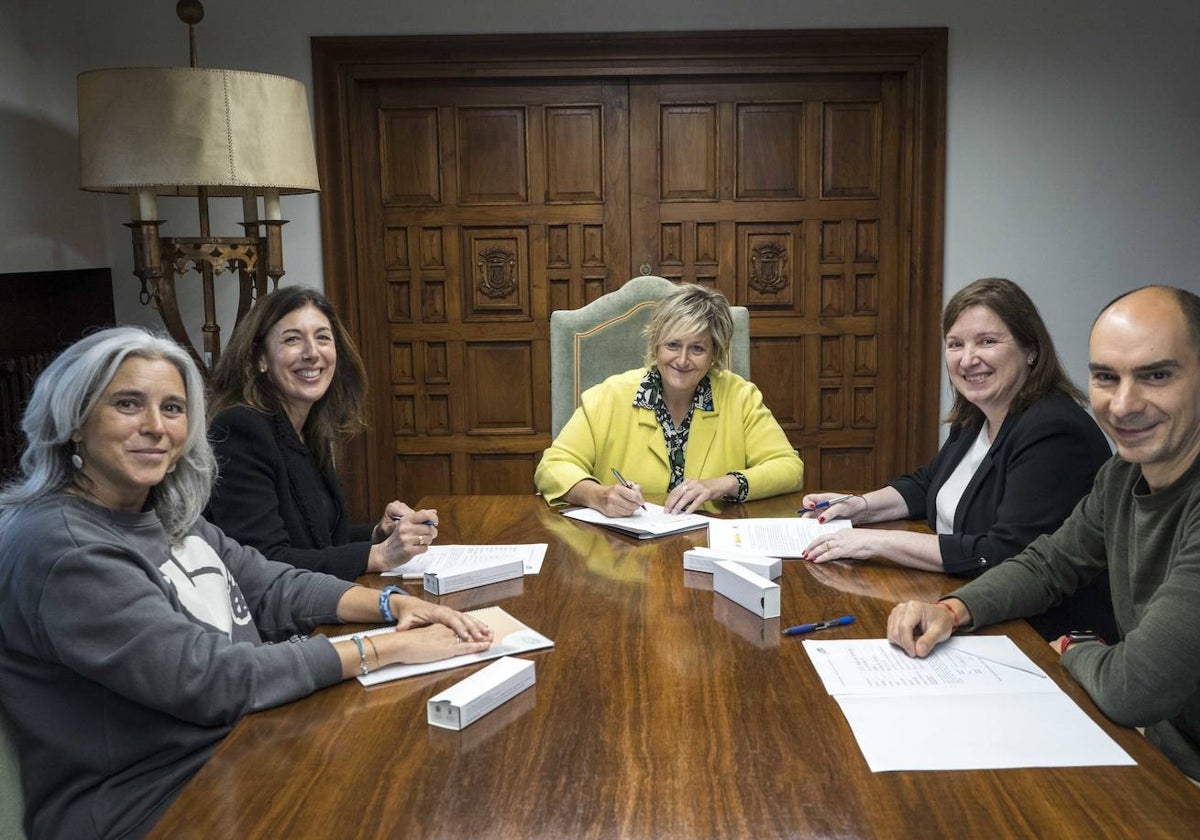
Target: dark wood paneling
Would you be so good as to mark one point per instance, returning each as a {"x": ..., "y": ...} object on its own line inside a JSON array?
[{"x": 800, "y": 172}]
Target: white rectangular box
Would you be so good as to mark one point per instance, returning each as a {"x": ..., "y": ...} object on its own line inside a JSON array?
[
  {"x": 442, "y": 583},
  {"x": 468, "y": 700},
  {"x": 742, "y": 586},
  {"x": 702, "y": 560}
]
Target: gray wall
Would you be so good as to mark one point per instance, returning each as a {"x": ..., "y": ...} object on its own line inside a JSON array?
[{"x": 1073, "y": 154}]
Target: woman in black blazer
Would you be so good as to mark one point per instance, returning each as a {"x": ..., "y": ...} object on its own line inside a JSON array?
[
  {"x": 287, "y": 391},
  {"x": 1021, "y": 453}
]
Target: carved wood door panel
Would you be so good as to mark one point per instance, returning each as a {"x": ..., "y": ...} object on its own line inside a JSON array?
[
  {"x": 783, "y": 194},
  {"x": 474, "y": 184},
  {"x": 496, "y": 204}
]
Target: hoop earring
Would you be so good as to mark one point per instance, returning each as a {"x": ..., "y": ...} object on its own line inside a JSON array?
[{"x": 76, "y": 458}]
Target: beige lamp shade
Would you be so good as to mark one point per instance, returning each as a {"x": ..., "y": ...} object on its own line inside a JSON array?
[{"x": 178, "y": 128}]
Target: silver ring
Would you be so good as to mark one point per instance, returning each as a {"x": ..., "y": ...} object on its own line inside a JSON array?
[{"x": 421, "y": 540}]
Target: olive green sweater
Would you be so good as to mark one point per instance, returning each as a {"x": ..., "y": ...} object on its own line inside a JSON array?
[{"x": 1150, "y": 545}]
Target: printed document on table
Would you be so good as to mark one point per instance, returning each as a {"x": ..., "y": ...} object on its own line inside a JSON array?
[
  {"x": 779, "y": 537},
  {"x": 511, "y": 637},
  {"x": 654, "y": 521},
  {"x": 960, "y": 665},
  {"x": 464, "y": 558},
  {"x": 975, "y": 703}
]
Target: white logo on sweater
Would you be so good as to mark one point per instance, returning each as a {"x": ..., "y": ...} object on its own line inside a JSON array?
[{"x": 205, "y": 587}]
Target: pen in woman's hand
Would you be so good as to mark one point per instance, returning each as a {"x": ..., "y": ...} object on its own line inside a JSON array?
[
  {"x": 827, "y": 503},
  {"x": 625, "y": 483},
  {"x": 395, "y": 517}
]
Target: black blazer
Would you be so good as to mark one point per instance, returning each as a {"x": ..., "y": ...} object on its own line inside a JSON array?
[
  {"x": 1040, "y": 465},
  {"x": 271, "y": 495}
]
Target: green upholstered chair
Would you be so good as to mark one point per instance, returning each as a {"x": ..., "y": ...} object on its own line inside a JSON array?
[
  {"x": 12, "y": 800},
  {"x": 591, "y": 343}
]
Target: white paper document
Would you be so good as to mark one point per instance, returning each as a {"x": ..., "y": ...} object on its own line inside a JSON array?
[
  {"x": 961, "y": 665},
  {"x": 975, "y": 703},
  {"x": 464, "y": 558},
  {"x": 654, "y": 521},
  {"x": 511, "y": 637},
  {"x": 779, "y": 537}
]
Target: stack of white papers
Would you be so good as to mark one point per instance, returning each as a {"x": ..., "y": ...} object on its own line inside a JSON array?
[
  {"x": 778, "y": 537},
  {"x": 654, "y": 521},
  {"x": 975, "y": 703}
]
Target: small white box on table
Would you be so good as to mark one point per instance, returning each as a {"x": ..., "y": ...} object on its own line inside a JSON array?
[
  {"x": 703, "y": 559},
  {"x": 452, "y": 580},
  {"x": 468, "y": 700},
  {"x": 742, "y": 586}
]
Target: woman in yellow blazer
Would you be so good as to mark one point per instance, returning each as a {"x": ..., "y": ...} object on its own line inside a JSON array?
[{"x": 683, "y": 425}]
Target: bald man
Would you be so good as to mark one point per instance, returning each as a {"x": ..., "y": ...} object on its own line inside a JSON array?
[{"x": 1140, "y": 525}]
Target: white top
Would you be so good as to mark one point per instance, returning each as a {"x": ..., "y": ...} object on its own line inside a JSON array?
[{"x": 952, "y": 491}]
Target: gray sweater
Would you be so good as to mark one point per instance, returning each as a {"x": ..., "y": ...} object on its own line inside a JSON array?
[
  {"x": 124, "y": 662},
  {"x": 1150, "y": 545}
]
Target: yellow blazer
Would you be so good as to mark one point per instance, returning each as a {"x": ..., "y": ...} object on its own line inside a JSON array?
[{"x": 606, "y": 431}]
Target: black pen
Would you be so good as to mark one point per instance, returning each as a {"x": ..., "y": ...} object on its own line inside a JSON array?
[
  {"x": 625, "y": 483},
  {"x": 800, "y": 629}
]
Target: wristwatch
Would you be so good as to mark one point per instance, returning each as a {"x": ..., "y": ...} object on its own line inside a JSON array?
[{"x": 1075, "y": 636}]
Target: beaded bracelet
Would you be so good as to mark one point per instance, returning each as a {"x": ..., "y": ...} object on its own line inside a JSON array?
[
  {"x": 362, "y": 654},
  {"x": 385, "y": 609}
]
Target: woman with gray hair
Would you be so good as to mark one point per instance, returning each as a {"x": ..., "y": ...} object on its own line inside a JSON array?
[
  {"x": 131, "y": 630},
  {"x": 684, "y": 425}
]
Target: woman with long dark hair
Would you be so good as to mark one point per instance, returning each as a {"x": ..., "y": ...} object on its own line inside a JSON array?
[{"x": 286, "y": 394}]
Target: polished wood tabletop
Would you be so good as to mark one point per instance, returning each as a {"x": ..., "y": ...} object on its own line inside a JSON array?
[{"x": 663, "y": 711}]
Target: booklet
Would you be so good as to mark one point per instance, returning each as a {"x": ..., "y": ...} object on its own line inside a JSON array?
[
  {"x": 651, "y": 522},
  {"x": 511, "y": 637}
]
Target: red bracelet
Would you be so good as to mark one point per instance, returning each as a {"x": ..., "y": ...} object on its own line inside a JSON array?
[{"x": 953, "y": 614}]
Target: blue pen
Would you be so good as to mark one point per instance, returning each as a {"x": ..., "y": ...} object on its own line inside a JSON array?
[
  {"x": 827, "y": 503},
  {"x": 800, "y": 629}
]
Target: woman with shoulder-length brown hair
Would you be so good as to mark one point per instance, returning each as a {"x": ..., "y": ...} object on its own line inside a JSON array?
[
  {"x": 1021, "y": 453},
  {"x": 287, "y": 392}
]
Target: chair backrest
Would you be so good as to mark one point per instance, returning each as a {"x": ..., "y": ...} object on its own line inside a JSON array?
[
  {"x": 591, "y": 343},
  {"x": 12, "y": 798}
]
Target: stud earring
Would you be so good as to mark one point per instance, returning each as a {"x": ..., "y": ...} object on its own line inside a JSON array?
[
  {"x": 1032, "y": 359},
  {"x": 76, "y": 458}
]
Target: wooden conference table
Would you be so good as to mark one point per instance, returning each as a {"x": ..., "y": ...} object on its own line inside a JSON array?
[{"x": 663, "y": 711}]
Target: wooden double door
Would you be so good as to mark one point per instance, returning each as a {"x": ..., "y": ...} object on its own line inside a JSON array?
[{"x": 475, "y": 206}]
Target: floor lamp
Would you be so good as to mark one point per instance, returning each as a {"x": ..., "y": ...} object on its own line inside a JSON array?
[{"x": 203, "y": 132}]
